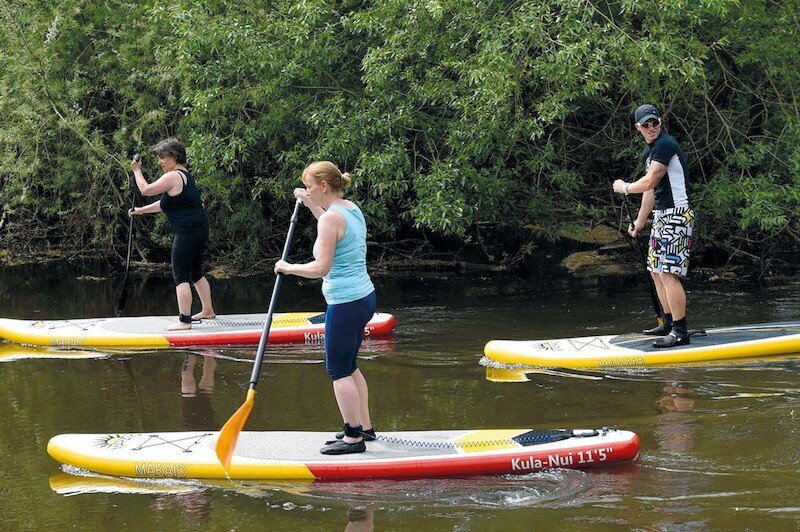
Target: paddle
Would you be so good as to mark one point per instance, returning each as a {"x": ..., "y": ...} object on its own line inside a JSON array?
[
  {"x": 123, "y": 297},
  {"x": 637, "y": 245},
  {"x": 230, "y": 431}
]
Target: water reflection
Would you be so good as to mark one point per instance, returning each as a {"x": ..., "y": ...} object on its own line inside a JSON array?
[
  {"x": 198, "y": 415},
  {"x": 198, "y": 410},
  {"x": 549, "y": 487},
  {"x": 192, "y": 498},
  {"x": 10, "y": 352},
  {"x": 552, "y": 487},
  {"x": 360, "y": 520},
  {"x": 498, "y": 372},
  {"x": 194, "y": 506},
  {"x": 676, "y": 435},
  {"x": 676, "y": 399},
  {"x": 74, "y": 481},
  {"x": 675, "y": 432}
]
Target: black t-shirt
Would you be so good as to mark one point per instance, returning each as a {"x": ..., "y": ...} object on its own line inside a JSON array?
[{"x": 673, "y": 189}]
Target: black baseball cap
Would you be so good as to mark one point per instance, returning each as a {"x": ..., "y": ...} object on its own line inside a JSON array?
[{"x": 645, "y": 112}]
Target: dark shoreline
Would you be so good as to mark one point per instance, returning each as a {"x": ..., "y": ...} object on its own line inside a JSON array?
[{"x": 545, "y": 268}]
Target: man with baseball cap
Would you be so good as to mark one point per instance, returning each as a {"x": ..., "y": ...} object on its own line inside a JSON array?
[{"x": 665, "y": 192}]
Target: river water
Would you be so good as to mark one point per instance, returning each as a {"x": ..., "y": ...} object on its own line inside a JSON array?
[{"x": 719, "y": 443}]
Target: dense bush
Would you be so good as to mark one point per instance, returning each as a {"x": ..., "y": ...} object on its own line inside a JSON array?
[{"x": 456, "y": 117}]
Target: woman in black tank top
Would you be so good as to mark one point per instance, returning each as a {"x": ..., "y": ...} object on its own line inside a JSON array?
[{"x": 180, "y": 201}]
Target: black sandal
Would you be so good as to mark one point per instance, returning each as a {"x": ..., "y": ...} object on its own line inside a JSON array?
[
  {"x": 339, "y": 446},
  {"x": 671, "y": 340},
  {"x": 342, "y": 447},
  {"x": 661, "y": 330}
]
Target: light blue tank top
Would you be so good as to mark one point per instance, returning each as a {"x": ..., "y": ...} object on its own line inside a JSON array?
[{"x": 348, "y": 279}]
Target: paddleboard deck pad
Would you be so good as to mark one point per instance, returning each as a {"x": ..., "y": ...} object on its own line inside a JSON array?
[
  {"x": 635, "y": 350},
  {"x": 149, "y": 331},
  {"x": 295, "y": 455}
]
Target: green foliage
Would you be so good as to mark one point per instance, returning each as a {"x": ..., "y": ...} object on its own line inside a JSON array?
[{"x": 452, "y": 115}]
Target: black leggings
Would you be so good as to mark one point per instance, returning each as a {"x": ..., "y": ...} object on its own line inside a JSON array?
[{"x": 188, "y": 248}]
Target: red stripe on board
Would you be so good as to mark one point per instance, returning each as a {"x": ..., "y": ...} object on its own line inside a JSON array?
[
  {"x": 521, "y": 461},
  {"x": 312, "y": 334}
]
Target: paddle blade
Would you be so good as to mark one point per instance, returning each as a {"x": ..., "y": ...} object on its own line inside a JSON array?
[
  {"x": 123, "y": 297},
  {"x": 230, "y": 432}
]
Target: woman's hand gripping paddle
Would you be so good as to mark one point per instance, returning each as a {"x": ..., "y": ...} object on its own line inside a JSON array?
[
  {"x": 123, "y": 296},
  {"x": 637, "y": 245},
  {"x": 230, "y": 431}
]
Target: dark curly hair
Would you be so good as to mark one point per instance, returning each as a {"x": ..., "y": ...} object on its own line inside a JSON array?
[{"x": 171, "y": 147}]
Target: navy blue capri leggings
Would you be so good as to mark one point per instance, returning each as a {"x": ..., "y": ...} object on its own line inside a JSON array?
[{"x": 344, "y": 331}]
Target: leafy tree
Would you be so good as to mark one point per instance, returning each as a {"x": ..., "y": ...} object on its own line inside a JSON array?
[{"x": 467, "y": 121}]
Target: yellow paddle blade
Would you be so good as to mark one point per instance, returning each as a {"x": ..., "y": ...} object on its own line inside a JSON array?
[{"x": 230, "y": 431}]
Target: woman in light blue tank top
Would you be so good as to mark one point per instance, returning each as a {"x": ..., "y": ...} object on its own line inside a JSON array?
[{"x": 340, "y": 260}]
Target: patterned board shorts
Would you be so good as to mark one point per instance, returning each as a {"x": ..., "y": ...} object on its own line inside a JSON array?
[{"x": 671, "y": 241}]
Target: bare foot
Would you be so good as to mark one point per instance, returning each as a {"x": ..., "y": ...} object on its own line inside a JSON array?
[
  {"x": 180, "y": 326},
  {"x": 201, "y": 316}
]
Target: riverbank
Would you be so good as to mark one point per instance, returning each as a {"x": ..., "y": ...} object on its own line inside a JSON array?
[
  {"x": 596, "y": 252},
  {"x": 587, "y": 268}
]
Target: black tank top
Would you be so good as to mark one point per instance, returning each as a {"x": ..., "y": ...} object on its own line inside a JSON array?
[{"x": 184, "y": 211}]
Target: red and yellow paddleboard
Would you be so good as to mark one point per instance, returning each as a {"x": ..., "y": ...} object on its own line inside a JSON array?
[
  {"x": 149, "y": 331},
  {"x": 295, "y": 455}
]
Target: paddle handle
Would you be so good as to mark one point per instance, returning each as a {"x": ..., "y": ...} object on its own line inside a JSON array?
[
  {"x": 637, "y": 245},
  {"x": 262, "y": 343}
]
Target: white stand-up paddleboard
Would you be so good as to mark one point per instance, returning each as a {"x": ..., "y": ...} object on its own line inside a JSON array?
[
  {"x": 149, "y": 331},
  {"x": 295, "y": 455},
  {"x": 632, "y": 350}
]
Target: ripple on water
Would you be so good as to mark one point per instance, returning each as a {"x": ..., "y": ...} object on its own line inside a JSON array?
[{"x": 510, "y": 491}]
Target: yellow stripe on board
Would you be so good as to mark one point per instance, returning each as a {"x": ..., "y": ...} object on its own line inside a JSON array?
[
  {"x": 511, "y": 352},
  {"x": 178, "y": 469},
  {"x": 23, "y": 333},
  {"x": 489, "y": 440},
  {"x": 293, "y": 319},
  {"x": 113, "y": 341}
]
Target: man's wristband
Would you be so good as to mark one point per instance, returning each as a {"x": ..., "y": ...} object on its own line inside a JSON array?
[{"x": 627, "y": 186}]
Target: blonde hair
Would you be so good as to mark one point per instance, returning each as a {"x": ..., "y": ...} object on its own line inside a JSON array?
[{"x": 329, "y": 172}]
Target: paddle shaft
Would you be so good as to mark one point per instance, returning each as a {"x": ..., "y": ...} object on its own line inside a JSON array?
[
  {"x": 637, "y": 245},
  {"x": 262, "y": 343},
  {"x": 123, "y": 297},
  {"x": 130, "y": 227}
]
